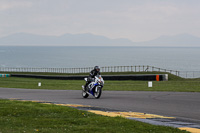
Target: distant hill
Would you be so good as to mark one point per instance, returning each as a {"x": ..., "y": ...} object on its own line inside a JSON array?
[
  {"x": 87, "y": 39},
  {"x": 63, "y": 40},
  {"x": 177, "y": 40}
]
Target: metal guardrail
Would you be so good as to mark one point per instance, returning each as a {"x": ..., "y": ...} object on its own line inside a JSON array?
[{"x": 141, "y": 77}]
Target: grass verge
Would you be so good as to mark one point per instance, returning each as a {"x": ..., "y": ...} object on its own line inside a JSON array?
[
  {"x": 29, "y": 117},
  {"x": 172, "y": 85},
  {"x": 175, "y": 83}
]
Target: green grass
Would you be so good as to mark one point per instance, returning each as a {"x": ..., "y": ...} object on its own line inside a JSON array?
[
  {"x": 32, "y": 83},
  {"x": 175, "y": 83},
  {"x": 29, "y": 117},
  {"x": 172, "y": 85}
]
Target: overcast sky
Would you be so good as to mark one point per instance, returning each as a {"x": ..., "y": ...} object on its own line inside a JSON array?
[{"x": 137, "y": 20}]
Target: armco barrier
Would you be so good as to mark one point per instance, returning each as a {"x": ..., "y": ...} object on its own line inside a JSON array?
[
  {"x": 146, "y": 77},
  {"x": 4, "y": 75}
]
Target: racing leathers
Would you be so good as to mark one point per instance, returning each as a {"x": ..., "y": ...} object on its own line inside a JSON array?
[{"x": 91, "y": 77}]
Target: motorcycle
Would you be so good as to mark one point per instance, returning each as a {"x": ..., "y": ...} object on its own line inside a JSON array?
[{"x": 94, "y": 88}]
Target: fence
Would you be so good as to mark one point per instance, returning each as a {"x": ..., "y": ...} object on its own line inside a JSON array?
[
  {"x": 189, "y": 74},
  {"x": 184, "y": 74},
  {"x": 88, "y": 69}
]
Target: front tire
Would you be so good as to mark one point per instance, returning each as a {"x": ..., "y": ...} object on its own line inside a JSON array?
[
  {"x": 84, "y": 94},
  {"x": 97, "y": 92}
]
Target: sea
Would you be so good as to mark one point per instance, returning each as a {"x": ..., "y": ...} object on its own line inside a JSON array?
[{"x": 172, "y": 58}]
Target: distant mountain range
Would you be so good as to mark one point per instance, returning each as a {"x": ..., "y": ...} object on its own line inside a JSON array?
[
  {"x": 87, "y": 39},
  {"x": 185, "y": 40}
]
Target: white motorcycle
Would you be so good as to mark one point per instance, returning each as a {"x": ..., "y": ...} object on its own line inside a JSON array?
[{"x": 94, "y": 88}]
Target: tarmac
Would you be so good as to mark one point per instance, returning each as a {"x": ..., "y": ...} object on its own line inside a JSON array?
[{"x": 176, "y": 109}]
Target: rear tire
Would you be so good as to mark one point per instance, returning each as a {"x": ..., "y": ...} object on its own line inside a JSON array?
[
  {"x": 97, "y": 94},
  {"x": 84, "y": 94}
]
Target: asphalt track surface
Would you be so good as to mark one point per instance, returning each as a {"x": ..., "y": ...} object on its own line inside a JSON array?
[{"x": 182, "y": 105}]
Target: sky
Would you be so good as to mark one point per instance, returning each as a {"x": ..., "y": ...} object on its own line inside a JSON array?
[{"x": 137, "y": 20}]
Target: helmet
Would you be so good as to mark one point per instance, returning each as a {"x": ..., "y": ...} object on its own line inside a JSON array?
[{"x": 97, "y": 68}]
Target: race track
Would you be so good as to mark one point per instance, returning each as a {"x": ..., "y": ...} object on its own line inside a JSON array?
[{"x": 182, "y": 105}]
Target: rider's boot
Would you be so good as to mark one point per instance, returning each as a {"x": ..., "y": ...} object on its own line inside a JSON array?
[{"x": 85, "y": 87}]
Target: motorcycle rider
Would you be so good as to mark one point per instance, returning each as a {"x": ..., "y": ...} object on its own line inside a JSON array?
[{"x": 93, "y": 73}]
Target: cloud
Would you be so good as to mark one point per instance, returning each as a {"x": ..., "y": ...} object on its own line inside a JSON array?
[{"x": 11, "y": 4}]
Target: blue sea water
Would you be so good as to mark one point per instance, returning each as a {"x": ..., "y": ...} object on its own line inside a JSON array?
[{"x": 181, "y": 59}]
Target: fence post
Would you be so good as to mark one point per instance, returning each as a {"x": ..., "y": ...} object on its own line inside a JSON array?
[{"x": 186, "y": 74}]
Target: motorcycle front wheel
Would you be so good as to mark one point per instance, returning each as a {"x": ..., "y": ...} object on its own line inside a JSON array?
[
  {"x": 84, "y": 94},
  {"x": 97, "y": 92}
]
